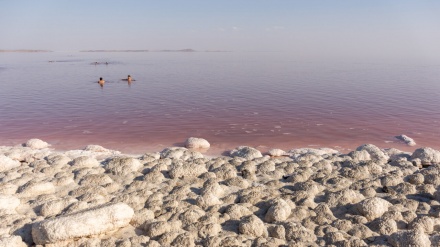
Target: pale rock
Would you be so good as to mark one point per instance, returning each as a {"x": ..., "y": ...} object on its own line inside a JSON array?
[
  {"x": 180, "y": 169},
  {"x": 237, "y": 211},
  {"x": 179, "y": 153},
  {"x": 276, "y": 152},
  {"x": 279, "y": 211},
  {"x": 424, "y": 223},
  {"x": 93, "y": 221},
  {"x": 8, "y": 204},
  {"x": 197, "y": 143},
  {"x": 313, "y": 151},
  {"x": 207, "y": 200},
  {"x": 191, "y": 215},
  {"x": 36, "y": 144},
  {"x": 209, "y": 230},
  {"x": 85, "y": 162},
  {"x": 413, "y": 238},
  {"x": 123, "y": 166},
  {"x": 375, "y": 152},
  {"x": 141, "y": 217},
  {"x": 55, "y": 207},
  {"x": 8, "y": 188},
  {"x": 184, "y": 239},
  {"x": 7, "y": 163},
  {"x": 277, "y": 231},
  {"x": 155, "y": 229},
  {"x": 427, "y": 156},
  {"x": 96, "y": 179},
  {"x": 248, "y": 153},
  {"x": 373, "y": 208},
  {"x": 36, "y": 188},
  {"x": 407, "y": 140},
  {"x": 362, "y": 155},
  {"x": 252, "y": 226},
  {"x": 298, "y": 233},
  {"x": 12, "y": 241}
]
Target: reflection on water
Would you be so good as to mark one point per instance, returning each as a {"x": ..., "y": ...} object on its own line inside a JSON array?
[{"x": 257, "y": 99}]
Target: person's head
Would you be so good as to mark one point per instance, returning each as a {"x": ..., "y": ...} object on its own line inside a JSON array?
[
  {"x": 129, "y": 76},
  {"x": 100, "y": 78}
]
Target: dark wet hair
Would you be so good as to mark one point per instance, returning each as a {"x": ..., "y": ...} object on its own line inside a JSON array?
[{"x": 100, "y": 78}]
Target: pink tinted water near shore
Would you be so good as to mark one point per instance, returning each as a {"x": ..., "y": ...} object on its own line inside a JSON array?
[{"x": 260, "y": 100}]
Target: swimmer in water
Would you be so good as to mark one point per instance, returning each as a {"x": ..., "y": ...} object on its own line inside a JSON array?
[
  {"x": 101, "y": 81},
  {"x": 129, "y": 79}
]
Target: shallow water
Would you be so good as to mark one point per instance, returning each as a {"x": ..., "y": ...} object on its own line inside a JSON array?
[{"x": 265, "y": 100}]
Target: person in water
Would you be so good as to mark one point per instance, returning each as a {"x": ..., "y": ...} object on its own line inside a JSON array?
[
  {"x": 101, "y": 81},
  {"x": 129, "y": 79}
]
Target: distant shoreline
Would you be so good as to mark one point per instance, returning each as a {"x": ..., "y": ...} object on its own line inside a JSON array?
[
  {"x": 25, "y": 50},
  {"x": 182, "y": 50}
]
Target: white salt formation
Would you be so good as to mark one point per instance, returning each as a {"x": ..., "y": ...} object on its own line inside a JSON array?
[
  {"x": 197, "y": 143},
  {"x": 178, "y": 197},
  {"x": 409, "y": 141}
]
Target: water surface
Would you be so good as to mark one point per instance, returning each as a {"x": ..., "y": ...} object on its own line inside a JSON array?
[{"x": 260, "y": 99}]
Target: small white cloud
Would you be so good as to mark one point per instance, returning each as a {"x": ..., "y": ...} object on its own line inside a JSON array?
[{"x": 235, "y": 28}]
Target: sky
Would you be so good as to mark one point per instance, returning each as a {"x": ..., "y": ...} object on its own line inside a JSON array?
[{"x": 377, "y": 28}]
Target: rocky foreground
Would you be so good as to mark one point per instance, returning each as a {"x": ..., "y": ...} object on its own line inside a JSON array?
[{"x": 178, "y": 197}]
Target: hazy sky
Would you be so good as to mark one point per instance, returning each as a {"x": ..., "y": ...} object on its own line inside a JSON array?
[{"x": 328, "y": 27}]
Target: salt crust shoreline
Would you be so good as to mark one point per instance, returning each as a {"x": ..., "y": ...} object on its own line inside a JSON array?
[{"x": 178, "y": 197}]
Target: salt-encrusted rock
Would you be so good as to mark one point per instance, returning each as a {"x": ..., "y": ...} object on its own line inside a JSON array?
[
  {"x": 85, "y": 161},
  {"x": 360, "y": 155},
  {"x": 424, "y": 223},
  {"x": 95, "y": 179},
  {"x": 181, "y": 169},
  {"x": 416, "y": 178},
  {"x": 407, "y": 140},
  {"x": 184, "y": 239},
  {"x": 197, "y": 143},
  {"x": 36, "y": 144},
  {"x": 248, "y": 153},
  {"x": 427, "y": 156},
  {"x": 155, "y": 229},
  {"x": 56, "y": 206},
  {"x": 7, "y": 163},
  {"x": 276, "y": 152},
  {"x": 8, "y": 204},
  {"x": 236, "y": 211},
  {"x": 313, "y": 151},
  {"x": 413, "y": 238},
  {"x": 252, "y": 226},
  {"x": 36, "y": 188},
  {"x": 298, "y": 233},
  {"x": 8, "y": 188},
  {"x": 210, "y": 230},
  {"x": 123, "y": 165},
  {"x": 179, "y": 153},
  {"x": 93, "y": 221},
  {"x": 12, "y": 241},
  {"x": 373, "y": 208},
  {"x": 375, "y": 152},
  {"x": 279, "y": 211}
]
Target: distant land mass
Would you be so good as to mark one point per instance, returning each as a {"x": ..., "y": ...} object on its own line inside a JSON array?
[
  {"x": 114, "y": 51},
  {"x": 181, "y": 50},
  {"x": 25, "y": 50}
]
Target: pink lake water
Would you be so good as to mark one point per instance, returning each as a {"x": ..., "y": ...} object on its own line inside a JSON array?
[{"x": 260, "y": 99}]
